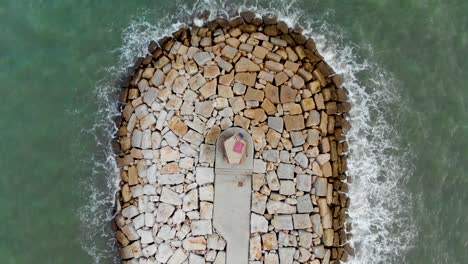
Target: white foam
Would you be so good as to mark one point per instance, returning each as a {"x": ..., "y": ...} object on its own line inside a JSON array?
[{"x": 382, "y": 227}]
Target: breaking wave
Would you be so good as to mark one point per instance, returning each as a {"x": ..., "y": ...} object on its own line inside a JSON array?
[{"x": 380, "y": 208}]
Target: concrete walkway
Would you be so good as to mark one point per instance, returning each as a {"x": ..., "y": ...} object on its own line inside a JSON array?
[{"x": 233, "y": 185}]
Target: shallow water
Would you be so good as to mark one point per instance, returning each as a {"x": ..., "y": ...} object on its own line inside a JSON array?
[{"x": 405, "y": 63}]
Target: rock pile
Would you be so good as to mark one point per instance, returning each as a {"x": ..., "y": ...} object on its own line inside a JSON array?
[{"x": 249, "y": 72}]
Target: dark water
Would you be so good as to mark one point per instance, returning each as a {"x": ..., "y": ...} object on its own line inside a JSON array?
[{"x": 56, "y": 62}]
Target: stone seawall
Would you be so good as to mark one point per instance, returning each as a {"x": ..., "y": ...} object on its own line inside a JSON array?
[{"x": 249, "y": 72}]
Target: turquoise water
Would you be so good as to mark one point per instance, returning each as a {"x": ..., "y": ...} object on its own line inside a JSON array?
[{"x": 58, "y": 60}]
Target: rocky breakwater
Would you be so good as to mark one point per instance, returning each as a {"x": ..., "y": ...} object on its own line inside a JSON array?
[{"x": 257, "y": 74}]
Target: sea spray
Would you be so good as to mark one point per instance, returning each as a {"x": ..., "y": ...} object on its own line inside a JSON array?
[{"x": 382, "y": 230}]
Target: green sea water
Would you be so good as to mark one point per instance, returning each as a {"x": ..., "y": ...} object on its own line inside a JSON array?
[{"x": 57, "y": 63}]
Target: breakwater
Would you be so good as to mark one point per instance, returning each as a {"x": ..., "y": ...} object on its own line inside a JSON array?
[{"x": 249, "y": 72}]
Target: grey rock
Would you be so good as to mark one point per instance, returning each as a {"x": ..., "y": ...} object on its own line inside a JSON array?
[
  {"x": 304, "y": 204},
  {"x": 319, "y": 251},
  {"x": 204, "y": 108},
  {"x": 171, "y": 179},
  {"x": 202, "y": 58},
  {"x": 259, "y": 203},
  {"x": 285, "y": 171},
  {"x": 277, "y": 207},
  {"x": 305, "y": 238},
  {"x": 206, "y": 193},
  {"x": 302, "y": 160},
  {"x": 239, "y": 88},
  {"x": 164, "y": 253},
  {"x": 259, "y": 166},
  {"x": 297, "y": 138},
  {"x": 130, "y": 212},
  {"x": 301, "y": 221},
  {"x": 190, "y": 201},
  {"x": 316, "y": 221},
  {"x": 137, "y": 138},
  {"x": 272, "y": 180},
  {"x": 284, "y": 156},
  {"x": 286, "y": 240},
  {"x": 201, "y": 227},
  {"x": 130, "y": 232},
  {"x": 271, "y": 155},
  {"x": 287, "y": 187},
  {"x": 276, "y": 123},
  {"x": 286, "y": 255},
  {"x": 322, "y": 158}
]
